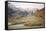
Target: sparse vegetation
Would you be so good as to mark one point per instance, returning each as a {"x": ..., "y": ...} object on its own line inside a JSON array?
[
  {"x": 34, "y": 21},
  {"x": 27, "y": 21}
]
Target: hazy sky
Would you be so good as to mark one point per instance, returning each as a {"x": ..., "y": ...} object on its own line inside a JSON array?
[{"x": 28, "y": 6}]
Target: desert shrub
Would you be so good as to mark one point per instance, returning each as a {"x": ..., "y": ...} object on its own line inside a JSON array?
[
  {"x": 34, "y": 21},
  {"x": 15, "y": 19}
]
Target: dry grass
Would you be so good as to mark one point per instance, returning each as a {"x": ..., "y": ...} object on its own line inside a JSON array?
[
  {"x": 34, "y": 21},
  {"x": 27, "y": 21}
]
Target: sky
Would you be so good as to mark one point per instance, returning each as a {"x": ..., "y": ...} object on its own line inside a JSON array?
[{"x": 27, "y": 6}]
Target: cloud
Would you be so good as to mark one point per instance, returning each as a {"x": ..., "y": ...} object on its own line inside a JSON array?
[
  {"x": 28, "y": 6},
  {"x": 23, "y": 8}
]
